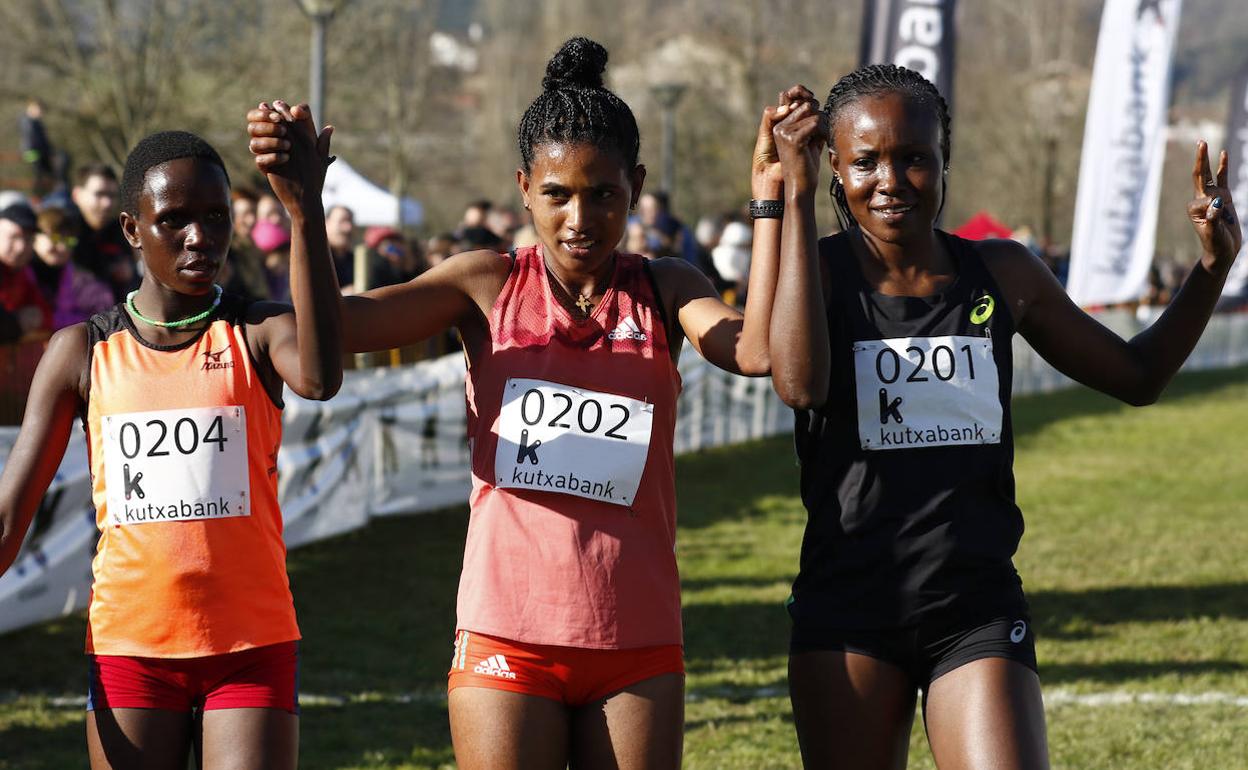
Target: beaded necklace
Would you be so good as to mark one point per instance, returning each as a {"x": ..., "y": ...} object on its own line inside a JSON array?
[{"x": 175, "y": 324}]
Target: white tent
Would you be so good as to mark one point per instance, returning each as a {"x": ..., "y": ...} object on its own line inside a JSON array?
[{"x": 371, "y": 204}]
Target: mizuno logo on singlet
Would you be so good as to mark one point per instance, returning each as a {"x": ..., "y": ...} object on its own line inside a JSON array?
[
  {"x": 495, "y": 665},
  {"x": 627, "y": 330},
  {"x": 213, "y": 361}
]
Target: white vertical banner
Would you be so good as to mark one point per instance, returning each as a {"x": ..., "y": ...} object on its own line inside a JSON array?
[
  {"x": 1237, "y": 177},
  {"x": 1124, "y": 144}
]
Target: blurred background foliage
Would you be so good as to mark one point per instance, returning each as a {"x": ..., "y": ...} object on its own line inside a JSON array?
[{"x": 426, "y": 94}]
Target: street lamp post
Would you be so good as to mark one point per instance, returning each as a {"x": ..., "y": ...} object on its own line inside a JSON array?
[
  {"x": 319, "y": 12},
  {"x": 1051, "y": 105},
  {"x": 668, "y": 96}
]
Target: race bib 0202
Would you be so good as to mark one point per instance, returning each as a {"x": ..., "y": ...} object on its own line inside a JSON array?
[
  {"x": 176, "y": 465},
  {"x": 926, "y": 391},
  {"x": 556, "y": 438}
]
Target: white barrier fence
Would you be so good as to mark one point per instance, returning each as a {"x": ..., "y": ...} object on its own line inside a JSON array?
[{"x": 392, "y": 441}]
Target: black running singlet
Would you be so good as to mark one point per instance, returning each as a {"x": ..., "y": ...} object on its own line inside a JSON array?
[{"x": 907, "y": 470}]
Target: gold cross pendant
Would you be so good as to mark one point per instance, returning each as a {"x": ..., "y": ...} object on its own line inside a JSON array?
[{"x": 583, "y": 303}]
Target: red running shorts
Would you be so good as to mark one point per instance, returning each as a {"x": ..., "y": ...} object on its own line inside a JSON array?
[
  {"x": 573, "y": 676},
  {"x": 262, "y": 677}
]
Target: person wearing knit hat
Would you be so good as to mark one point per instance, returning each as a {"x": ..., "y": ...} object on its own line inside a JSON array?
[
  {"x": 19, "y": 295},
  {"x": 374, "y": 235},
  {"x": 20, "y": 214},
  {"x": 395, "y": 260}
]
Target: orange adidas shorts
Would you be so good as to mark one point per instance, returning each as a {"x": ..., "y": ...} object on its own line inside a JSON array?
[{"x": 573, "y": 676}]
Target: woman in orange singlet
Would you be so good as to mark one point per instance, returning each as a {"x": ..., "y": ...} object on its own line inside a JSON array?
[
  {"x": 191, "y": 631},
  {"x": 569, "y": 644}
]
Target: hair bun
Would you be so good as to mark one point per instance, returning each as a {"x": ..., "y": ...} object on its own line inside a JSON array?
[{"x": 579, "y": 62}]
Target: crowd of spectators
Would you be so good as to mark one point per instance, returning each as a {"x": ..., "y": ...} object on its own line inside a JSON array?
[
  {"x": 63, "y": 256},
  {"x": 64, "y": 260}
]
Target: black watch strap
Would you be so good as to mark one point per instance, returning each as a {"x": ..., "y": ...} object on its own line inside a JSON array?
[{"x": 765, "y": 209}]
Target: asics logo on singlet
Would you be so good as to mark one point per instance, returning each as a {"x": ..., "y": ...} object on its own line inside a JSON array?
[
  {"x": 982, "y": 309},
  {"x": 213, "y": 361},
  {"x": 627, "y": 330},
  {"x": 1019, "y": 632},
  {"x": 495, "y": 665}
]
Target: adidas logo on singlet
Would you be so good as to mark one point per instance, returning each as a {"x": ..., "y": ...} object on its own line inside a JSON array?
[
  {"x": 495, "y": 665},
  {"x": 627, "y": 330}
]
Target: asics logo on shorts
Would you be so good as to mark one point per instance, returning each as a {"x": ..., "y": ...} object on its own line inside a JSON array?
[
  {"x": 495, "y": 665},
  {"x": 627, "y": 330},
  {"x": 1019, "y": 632}
]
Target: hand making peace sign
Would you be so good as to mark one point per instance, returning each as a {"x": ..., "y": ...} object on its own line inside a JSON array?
[{"x": 1213, "y": 212}]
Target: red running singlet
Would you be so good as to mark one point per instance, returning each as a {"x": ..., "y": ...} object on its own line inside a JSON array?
[{"x": 571, "y": 540}]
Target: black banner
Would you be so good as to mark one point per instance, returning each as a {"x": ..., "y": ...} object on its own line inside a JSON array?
[{"x": 918, "y": 34}]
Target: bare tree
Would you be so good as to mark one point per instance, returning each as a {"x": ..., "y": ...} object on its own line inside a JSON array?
[
  {"x": 112, "y": 71},
  {"x": 384, "y": 43}
]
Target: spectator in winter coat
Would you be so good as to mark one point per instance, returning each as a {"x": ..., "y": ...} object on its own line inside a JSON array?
[
  {"x": 19, "y": 296},
  {"x": 74, "y": 294}
]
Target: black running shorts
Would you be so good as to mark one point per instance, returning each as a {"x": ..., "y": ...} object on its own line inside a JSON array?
[{"x": 928, "y": 650}]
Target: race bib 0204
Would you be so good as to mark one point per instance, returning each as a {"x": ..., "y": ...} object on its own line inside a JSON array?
[
  {"x": 176, "y": 465},
  {"x": 926, "y": 391},
  {"x": 555, "y": 438}
]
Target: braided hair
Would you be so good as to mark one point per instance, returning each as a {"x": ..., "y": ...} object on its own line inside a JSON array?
[
  {"x": 875, "y": 80},
  {"x": 158, "y": 148},
  {"x": 575, "y": 107}
]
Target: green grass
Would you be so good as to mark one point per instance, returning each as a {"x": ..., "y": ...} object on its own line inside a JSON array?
[{"x": 1134, "y": 562}]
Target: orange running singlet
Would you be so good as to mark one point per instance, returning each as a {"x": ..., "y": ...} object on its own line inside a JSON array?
[
  {"x": 183, "y": 444},
  {"x": 572, "y": 534}
]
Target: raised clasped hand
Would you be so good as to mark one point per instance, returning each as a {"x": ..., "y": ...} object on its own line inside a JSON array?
[
  {"x": 800, "y": 134},
  {"x": 1213, "y": 212},
  {"x": 289, "y": 151},
  {"x": 766, "y": 171}
]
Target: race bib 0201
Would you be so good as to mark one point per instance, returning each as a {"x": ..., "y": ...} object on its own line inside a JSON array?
[
  {"x": 176, "y": 465},
  {"x": 556, "y": 438},
  {"x": 926, "y": 391}
]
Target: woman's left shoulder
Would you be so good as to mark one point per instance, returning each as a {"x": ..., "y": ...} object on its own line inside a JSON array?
[
  {"x": 1006, "y": 258},
  {"x": 994, "y": 249},
  {"x": 1020, "y": 275}
]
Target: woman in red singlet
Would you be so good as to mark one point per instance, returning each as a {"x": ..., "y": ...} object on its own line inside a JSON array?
[
  {"x": 569, "y": 645},
  {"x": 191, "y": 631}
]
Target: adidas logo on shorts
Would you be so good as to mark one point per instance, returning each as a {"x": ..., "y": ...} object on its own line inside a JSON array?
[
  {"x": 495, "y": 665},
  {"x": 627, "y": 330}
]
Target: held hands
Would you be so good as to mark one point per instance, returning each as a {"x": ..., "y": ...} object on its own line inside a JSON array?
[
  {"x": 1213, "y": 213},
  {"x": 767, "y": 175},
  {"x": 800, "y": 133},
  {"x": 289, "y": 151}
]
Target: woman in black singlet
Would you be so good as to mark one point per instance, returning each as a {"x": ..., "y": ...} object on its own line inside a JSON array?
[{"x": 900, "y": 374}]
